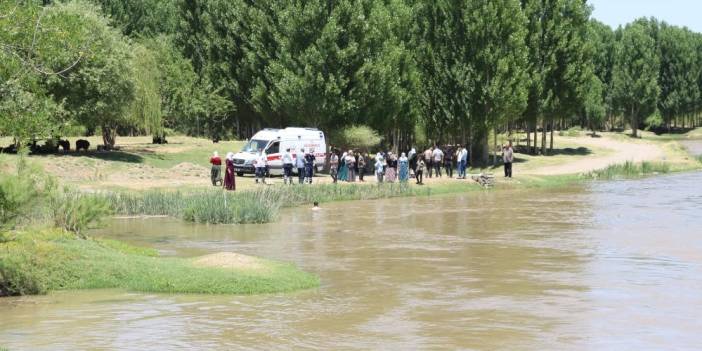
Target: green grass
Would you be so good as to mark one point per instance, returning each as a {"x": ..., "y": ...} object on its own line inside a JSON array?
[
  {"x": 252, "y": 206},
  {"x": 41, "y": 261},
  {"x": 630, "y": 170}
]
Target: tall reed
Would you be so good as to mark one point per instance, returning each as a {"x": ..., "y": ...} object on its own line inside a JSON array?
[
  {"x": 630, "y": 170},
  {"x": 253, "y": 206}
]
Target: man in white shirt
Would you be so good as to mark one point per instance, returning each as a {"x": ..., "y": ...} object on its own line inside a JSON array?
[
  {"x": 260, "y": 165},
  {"x": 287, "y": 167},
  {"x": 438, "y": 157},
  {"x": 462, "y": 163},
  {"x": 300, "y": 165}
]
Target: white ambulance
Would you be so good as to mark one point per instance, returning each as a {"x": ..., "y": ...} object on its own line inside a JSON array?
[{"x": 275, "y": 141}]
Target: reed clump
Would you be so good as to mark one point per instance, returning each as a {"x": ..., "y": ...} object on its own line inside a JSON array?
[
  {"x": 254, "y": 206},
  {"x": 630, "y": 170}
]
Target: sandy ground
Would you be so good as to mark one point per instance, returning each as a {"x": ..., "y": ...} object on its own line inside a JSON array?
[
  {"x": 623, "y": 151},
  {"x": 229, "y": 260}
]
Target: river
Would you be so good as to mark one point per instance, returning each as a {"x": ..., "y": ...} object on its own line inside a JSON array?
[{"x": 608, "y": 265}]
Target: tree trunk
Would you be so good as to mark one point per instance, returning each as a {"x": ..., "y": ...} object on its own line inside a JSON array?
[
  {"x": 528, "y": 131},
  {"x": 479, "y": 148},
  {"x": 109, "y": 136},
  {"x": 543, "y": 139},
  {"x": 634, "y": 123},
  {"x": 550, "y": 148},
  {"x": 536, "y": 142}
]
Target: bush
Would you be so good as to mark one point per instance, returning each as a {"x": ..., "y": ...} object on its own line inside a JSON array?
[
  {"x": 22, "y": 193},
  {"x": 630, "y": 170},
  {"x": 357, "y": 137},
  {"x": 75, "y": 212}
]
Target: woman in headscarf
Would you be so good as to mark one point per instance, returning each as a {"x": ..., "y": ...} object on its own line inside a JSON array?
[
  {"x": 229, "y": 180},
  {"x": 391, "y": 169},
  {"x": 351, "y": 166},
  {"x": 404, "y": 168},
  {"x": 216, "y": 171},
  {"x": 379, "y": 167},
  {"x": 343, "y": 169}
]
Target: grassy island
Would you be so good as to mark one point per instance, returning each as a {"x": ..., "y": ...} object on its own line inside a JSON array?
[{"x": 36, "y": 262}]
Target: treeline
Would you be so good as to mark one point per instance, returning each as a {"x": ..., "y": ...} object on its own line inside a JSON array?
[{"x": 416, "y": 71}]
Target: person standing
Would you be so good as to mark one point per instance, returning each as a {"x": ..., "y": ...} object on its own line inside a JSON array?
[
  {"x": 412, "y": 157},
  {"x": 215, "y": 172},
  {"x": 361, "y": 166},
  {"x": 351, "y": 165},
  {"x": 343, "y": 170},
  {"x": 300, "y": 165},
  {"x": 287, "y": 167},
  {"x": 420, "y": 170},
  {"x": 391, "y": 169},
  {"x": 309, "y": 166},
  {"x": 404, "y": 168},
  {"x": 448, "y": 161},
  {"x": 428, "y": 153},
  {"x": 260, "y": 166},
  {"x": 508, "y": 158},
  {"x": 229, "y": 177},
  {"x": 438, "y": 157},
  {"x": 334, "y": 166},
  {"x": 462, "y": 162},
  {"x": 379, "y": 167}
]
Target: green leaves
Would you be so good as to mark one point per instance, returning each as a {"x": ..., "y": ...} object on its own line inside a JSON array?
[{"x": 635, "y": 78}]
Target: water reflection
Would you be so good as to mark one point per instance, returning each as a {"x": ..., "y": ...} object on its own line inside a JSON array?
[{"x": 615, "y": 266}]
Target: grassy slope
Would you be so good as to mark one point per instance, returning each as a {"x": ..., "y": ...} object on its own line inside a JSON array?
[{"x": 37, "y": 262}]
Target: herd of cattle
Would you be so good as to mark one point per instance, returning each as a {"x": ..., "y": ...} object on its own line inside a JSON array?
[{"x": 49, "y": 147}]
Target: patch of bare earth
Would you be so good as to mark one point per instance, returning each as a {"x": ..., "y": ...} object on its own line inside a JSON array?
[
  {"x": 623, "y": 152},
  {"x": 230, "y": 260}
]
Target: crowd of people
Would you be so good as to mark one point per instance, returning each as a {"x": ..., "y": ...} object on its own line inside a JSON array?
[{"x": 351, "y": 166}]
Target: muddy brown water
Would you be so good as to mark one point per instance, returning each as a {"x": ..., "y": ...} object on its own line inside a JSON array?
[{"x": 611, "y": 265}]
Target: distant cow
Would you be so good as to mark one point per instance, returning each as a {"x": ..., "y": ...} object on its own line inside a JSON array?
[
  {"x": 82, "y": 144},
  {"x": 65, "y": 145},
  {"x": 159, "y": 140}
]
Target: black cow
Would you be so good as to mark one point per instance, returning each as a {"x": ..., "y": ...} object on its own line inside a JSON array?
[
  {"x": 82, "y": 144},
  {"x": 65, "y": 145},
  {"x": 159, "y": 140}
]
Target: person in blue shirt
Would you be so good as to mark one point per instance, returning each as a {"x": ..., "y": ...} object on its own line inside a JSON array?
[{"x": 309, "y": 166}]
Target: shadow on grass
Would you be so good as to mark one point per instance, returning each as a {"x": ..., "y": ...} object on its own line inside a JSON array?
[
  {"x": 568, "y": 151},
  {"x": 115, "y": 156}
]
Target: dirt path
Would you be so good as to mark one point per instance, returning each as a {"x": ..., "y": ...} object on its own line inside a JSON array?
[{"x": 623, "y": 151}]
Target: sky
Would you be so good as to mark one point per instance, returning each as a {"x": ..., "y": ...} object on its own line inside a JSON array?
[{"x": 678, "y": 12}]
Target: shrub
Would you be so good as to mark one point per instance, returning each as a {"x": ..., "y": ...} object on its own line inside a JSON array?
[
  {"x": 630, "y": 170},
  {"x": 22, "y": 193},
  {"x": 74, "y": 211},
  {"x": 357, "y": 137}
]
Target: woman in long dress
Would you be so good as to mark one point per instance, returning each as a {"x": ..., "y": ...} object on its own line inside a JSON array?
[
  {"x": 391, "y": 169},
  {"x": 343, "y": 169},
  {"x": 229, "y": 178},
  {"x": 404, "y": 168}
]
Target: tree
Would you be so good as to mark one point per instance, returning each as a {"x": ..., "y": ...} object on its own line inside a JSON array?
[
  {"x": 558, "y": 60},
  {"x": 99, "y": 92},
  {"x": 679, "y": 72},
  {"x": 497, "y": 56},
  {"x": 635, "y": 78},
  {"x": 603, "y": 41}
]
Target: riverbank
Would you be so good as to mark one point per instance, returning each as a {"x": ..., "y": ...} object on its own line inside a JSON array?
[{"x": 38, "y": 261}]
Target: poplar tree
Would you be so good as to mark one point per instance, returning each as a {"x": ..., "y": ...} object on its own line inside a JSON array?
[{"x": 635, "y": 78}]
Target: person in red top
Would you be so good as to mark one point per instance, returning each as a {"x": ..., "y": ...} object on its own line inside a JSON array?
[{"x": 216, "y": 169}]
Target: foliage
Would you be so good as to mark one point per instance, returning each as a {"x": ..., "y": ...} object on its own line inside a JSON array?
[
  {"x": 99, "y": 91},
  {"x": 630, "y": 170},
  {"x": 75, "y": 212},
  {"x": 635, "y": 78},
  {"x": 21, "y": 193},
  {"x": 257, "y": 206},
  {"x": 356, "y": 137},
  {"x": 38, "y": 262}
]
